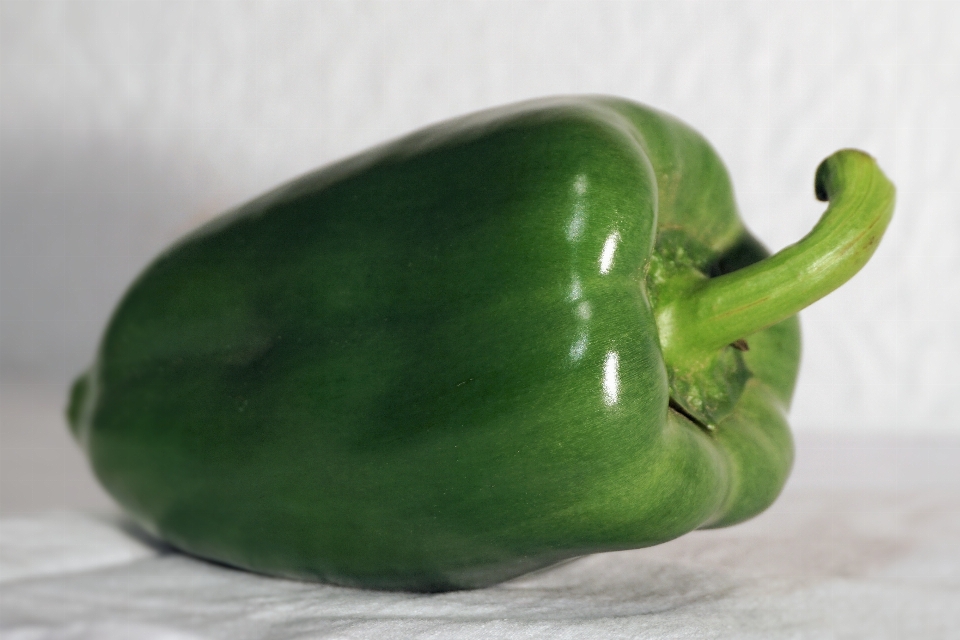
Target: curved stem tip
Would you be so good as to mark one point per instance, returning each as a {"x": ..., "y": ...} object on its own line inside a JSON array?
[{"x": 721, "y": 310}]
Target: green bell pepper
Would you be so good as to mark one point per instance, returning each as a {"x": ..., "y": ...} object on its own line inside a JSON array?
[{"x": 514, "y": 338}]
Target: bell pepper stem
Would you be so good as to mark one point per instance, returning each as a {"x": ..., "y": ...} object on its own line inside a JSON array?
[{"x": 722, "y": 310}]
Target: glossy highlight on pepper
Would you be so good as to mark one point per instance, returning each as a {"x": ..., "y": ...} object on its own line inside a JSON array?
[{"x": 517, "y": 337}]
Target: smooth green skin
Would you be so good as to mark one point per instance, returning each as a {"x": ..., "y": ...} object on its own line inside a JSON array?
[{"x": 437, "y": 365}]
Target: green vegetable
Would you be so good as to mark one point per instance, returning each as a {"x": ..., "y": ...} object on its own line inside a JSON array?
[{"x": 517, "y": 337}]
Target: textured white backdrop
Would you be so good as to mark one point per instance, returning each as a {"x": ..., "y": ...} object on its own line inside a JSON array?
[{"x": 123, "y": 125}]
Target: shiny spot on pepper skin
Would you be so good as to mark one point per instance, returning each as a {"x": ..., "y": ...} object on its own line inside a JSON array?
[
  {"x": 607, "y": 254},
  {"x": 579, "y": 347},
  {"x": 611, "y": 378}
]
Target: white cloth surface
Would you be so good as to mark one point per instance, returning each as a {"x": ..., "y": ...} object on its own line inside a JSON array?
[{"x": 862, "y": 544}]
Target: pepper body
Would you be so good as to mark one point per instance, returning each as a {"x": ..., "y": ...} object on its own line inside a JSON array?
[{"x": 445, "y": 362}]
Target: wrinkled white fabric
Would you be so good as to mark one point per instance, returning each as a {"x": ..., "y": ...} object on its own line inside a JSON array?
[
  {"x": 863, "y": 544},
  {"x": 62, "y": 543}
]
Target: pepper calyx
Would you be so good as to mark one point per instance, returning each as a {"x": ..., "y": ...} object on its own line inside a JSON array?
[{"x": 702, "y": 320}]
